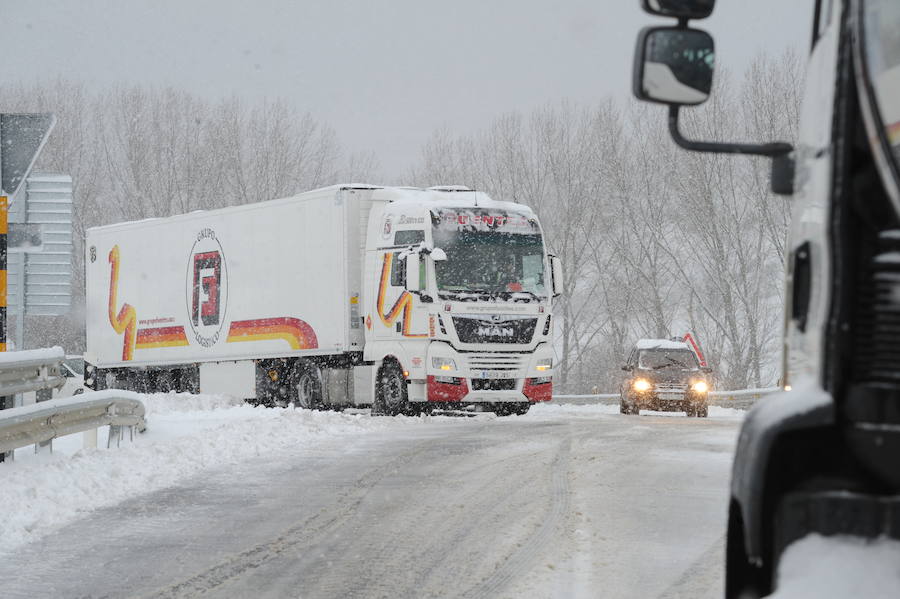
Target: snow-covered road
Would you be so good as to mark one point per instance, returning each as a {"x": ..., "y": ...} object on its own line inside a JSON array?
[{"x": 568, "y": 501}]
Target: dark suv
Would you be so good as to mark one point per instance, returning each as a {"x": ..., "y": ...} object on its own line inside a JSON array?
[{"x": 664, "y": 375}]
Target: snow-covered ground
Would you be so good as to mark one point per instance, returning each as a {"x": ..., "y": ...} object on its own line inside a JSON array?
[
  {"x": 188, "y": 434},
  {"x": 817, "y": 567}
]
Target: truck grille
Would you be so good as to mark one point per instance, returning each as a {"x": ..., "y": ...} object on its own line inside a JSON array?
[
  {"x": 507, "y": 329},
  {"x": 507, "y": 362}
]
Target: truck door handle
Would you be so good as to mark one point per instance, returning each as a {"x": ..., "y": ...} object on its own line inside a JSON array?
[{"x": 802, "y": 286}]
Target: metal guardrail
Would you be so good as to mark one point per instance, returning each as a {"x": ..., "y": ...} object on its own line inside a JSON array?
[
  {"x": 31, "y": 370},
  {"x": 740, "y": 399},
  {"x": 45, "y": 421}
]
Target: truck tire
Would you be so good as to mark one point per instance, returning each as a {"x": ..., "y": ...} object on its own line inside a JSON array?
[
  {"x": 703, "y": 411},
  {"x": 521, "y": 409},
  {"x": 391, "y": 396},
  {"x": 308, "y": 387}
]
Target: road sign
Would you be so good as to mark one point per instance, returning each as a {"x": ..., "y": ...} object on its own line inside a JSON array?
[{"x": 21, "y": 138}]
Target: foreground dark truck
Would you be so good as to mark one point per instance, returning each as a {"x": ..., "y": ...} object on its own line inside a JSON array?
[{"x": 822, "y": 458}]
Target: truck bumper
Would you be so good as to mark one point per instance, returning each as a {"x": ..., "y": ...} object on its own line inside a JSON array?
[{"x": 484, "y": 377}]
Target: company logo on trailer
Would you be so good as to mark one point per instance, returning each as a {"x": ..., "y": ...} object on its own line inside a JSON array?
[{"x": 207, "y": 288}]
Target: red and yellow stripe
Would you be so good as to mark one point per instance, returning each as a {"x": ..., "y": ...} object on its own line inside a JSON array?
[
  {"x": 126, "y": 320},
  {"x": 161, "y": 337},
  {"x": 403, "y": 304},
  {"x": 297, "y": 333}
]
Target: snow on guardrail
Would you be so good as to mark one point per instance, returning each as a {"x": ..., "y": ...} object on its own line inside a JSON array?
[{"x": 48, "y": 420}]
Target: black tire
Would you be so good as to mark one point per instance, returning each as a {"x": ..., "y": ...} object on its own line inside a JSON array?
[
  {"x": 163, "y": 381},
  {"x": 307, "y": 386},
  {"x": 703, "y": 411},
  {"x": 690, "y": 411},
  {"x": 502, "y": 409},
  {"x": 391, "y": 397},
  {"x": 521, "y": 409},
  {"x": 623, "y": 408}
]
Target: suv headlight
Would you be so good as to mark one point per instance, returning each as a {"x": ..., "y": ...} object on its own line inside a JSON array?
[
  {"x": 446, "y": 364},
  {"x": 700, "y": 387},
  {"x": 544, "y": 364},
  {"x": 641, "y": 385}
]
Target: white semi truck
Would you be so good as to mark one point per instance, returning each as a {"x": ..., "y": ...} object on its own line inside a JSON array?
[{"x": 402, "y": 299}]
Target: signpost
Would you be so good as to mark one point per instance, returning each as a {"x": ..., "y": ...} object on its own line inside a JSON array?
[{"x": 22, "y": 136}]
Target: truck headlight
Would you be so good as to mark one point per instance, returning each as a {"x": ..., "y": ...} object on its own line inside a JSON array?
[
  {"x": 544, "y": 364},
  {"x": 641, "y": 385},
  {"x": 446, "y": 364},
  {"x": 700, "y": 387}
]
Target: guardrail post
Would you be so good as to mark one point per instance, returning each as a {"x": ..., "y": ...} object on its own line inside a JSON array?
[
  {"x": 89, "y": 439},
  {"x": 43, "y": 395}
]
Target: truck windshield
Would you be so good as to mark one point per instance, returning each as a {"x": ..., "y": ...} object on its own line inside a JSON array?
[
  {"x": 882, "y": 50},
  {"x": 490, "y": 265},
  {"x": 657, "y": 359}
]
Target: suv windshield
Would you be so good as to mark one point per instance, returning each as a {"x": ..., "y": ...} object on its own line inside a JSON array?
[{"x": 657, "y": 359}]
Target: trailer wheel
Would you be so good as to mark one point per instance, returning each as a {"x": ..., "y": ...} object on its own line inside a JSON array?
[
  {"x": 308, "y": 387},
  {"x": 702, "y": 411},
  {"x": 390, "y": 391}
]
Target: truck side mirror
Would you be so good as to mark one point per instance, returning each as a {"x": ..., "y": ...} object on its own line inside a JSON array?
[
  {"x": 556, "y": 274},
  {"x": 412, "y": 272},
  {"x": 680, "y": 9},
  {"x": 627, "y": 368},
  {"x": 673, "y": 65},
  {"x": 706, "y": 369}
]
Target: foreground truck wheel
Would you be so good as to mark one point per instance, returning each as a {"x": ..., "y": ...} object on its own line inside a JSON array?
[{"x": 390, "y": 394}]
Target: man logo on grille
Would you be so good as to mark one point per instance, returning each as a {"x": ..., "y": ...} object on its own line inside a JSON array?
[{"x": 495, "y": 331}]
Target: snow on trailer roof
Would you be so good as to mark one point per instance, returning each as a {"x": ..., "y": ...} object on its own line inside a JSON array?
[
  {"x": 661, "y": 344},
  {"x": 451, "y": 196}
]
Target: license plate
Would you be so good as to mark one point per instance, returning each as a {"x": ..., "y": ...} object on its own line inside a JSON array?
[
  {"x": 493, "y": 374},
  {"x": 670, "y": 396}
]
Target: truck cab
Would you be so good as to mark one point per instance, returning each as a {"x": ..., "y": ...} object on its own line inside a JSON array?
[{"x": 458, "y": 291}]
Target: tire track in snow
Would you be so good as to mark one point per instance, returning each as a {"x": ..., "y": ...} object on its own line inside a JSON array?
[{"x": 521, "y": 560}]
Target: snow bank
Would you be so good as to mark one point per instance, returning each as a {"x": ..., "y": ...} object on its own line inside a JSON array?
[
  {"x": 558, "y": 409},
  {"x": 818, "y": 567},
  {"x": 186, "y": 435}
]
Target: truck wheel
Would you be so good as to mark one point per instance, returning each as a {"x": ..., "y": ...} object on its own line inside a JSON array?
[
  {"x": 702, "y": 411},
  {"x": 390, "y": 394},
  {"x": 521, "y": 409},
  {"x": 308, "y": 387}
]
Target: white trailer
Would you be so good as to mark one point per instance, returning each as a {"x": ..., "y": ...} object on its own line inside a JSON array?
[{"x": 349, "y": 295}]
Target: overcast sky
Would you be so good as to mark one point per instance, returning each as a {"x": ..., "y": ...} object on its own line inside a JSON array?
[{"x": 383, "y": 73}]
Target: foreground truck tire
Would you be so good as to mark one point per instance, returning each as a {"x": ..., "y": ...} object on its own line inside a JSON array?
[{"x": 391, "y": 397}]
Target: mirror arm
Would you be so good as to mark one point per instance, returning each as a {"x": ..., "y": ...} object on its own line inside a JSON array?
[
  {"x": 782, "y": 179},
  {"x": 773, "y": 150}
]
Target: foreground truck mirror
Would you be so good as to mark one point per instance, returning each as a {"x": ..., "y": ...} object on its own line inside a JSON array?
[
  {"x": 556, "y": 274},
  {"x": 673, "y": 65},
  {"x": 680, "y": 9}
]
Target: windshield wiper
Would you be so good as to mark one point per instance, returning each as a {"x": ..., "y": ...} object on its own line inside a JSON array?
[
  {"x": 512, "y": 295},
  {"x": 678, "y": 362}
]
